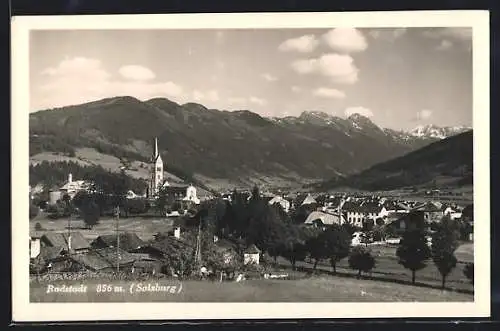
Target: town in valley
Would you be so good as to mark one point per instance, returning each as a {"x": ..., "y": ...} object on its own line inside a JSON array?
[
  {"x": 89, "y": 230},
  {"x": 299, "y": 164}
]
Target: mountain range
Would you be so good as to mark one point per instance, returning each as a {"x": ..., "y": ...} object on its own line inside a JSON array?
[
  {"x": 224, "y": 148},
  {"x": 445, "y": 163}
]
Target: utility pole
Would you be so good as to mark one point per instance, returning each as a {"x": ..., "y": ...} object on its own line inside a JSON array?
[
  {"x": 117, "y": 214},
  {"x": 68, "y": 205}
]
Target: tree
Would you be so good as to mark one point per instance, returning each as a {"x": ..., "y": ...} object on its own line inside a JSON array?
[
  {"x": 316, "y": 248},
  {"x": 163, "y": 200},
  {"x": 413, "y": 251},
  {"x": 135, "y": 206},
  {"x": 90, "y": 213},
  {"x": 349, "y": 228},
  {"x": 337, "y": 243},
  {"x": 265, "y": 229},
  {"x": 293, "y": 248},
  {"x": 444, "y": 244},
  {"x": 469, "y": 272},
  {"x": 361, "y": 259}
]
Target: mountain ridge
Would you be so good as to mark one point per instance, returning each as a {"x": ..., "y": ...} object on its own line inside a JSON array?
[
  {"x": 241, "y": 146},
  {"x": 444, "y": 163}
]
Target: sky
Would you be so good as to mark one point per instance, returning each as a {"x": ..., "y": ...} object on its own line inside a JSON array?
[{"x": 398, "y": 77}]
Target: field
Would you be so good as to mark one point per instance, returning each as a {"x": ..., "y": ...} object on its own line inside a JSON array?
[
  {"x": 314, "y": 289},
  {"x": 388, "y": 281},
  {"x": 387, "y": 269},
  {"x": 145, "y": 228}
]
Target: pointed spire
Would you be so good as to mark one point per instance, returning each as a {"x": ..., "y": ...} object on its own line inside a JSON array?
[{"x": 156, "y": 148}]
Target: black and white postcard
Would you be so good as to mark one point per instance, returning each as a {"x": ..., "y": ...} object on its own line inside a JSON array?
[{"x": 242, "y": 166}]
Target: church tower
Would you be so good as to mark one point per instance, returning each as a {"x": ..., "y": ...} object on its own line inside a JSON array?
[{"x": 156, "y": 180}]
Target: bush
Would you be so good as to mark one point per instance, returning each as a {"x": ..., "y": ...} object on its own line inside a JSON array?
[
  {"x": 361, "y": 259},
  {"x": 38, "y": 226},
  {"x": 33, "y": 211},
  {"x": 469, "y": 272}
]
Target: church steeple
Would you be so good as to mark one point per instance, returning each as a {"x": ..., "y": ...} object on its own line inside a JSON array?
[
  {"x": 155, "y": 152},
  {"x": 156, "y": 180}
]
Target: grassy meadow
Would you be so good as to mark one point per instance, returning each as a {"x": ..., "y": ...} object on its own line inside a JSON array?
[
  {"x": 312, "y": 289},
  {"x": 144, "y": 227}
]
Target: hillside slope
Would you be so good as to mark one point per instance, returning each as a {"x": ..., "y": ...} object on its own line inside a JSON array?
[
  {"x": 448, "y": 162},
  {"x": 213, "y": 145}
]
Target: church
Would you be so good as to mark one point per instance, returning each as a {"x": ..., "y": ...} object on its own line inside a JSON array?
[{"x": 157, "y": 182}]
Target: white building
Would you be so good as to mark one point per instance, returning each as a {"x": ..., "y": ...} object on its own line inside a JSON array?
[
  {"x": 325, "y": 218},
  {"x": 284, "y": 203},
  {"x": 191, "y": 195},
  {"x": 72, "y": 187},
  {"x": 251, "y": 255}
]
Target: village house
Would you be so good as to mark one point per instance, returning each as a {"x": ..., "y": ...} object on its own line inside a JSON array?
[
  {"x": 308, "y": 200},
  {"x": 251, "y": 255},
  {"x": 35, "y": 246},
  {"x": 72, "y": 187},
  {"x": 73, "y": 243},
  {"x": 451, "y": 211},
  {"x": 322, "y": 219},
  {"x": 432, "y": 211},
  {"x": 413, "y": 220},
  {"x": 129, "y": 241},
  {"x": 358, "y": 212},
  {"x": 105, "y": 260},
  {"x": 284, "y": 203}
]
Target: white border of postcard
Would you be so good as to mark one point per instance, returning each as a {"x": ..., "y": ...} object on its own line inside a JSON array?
[{"x": 23, "y": 310}]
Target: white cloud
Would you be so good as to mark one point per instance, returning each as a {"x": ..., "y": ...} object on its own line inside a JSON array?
[
  {"x": 358, "y": 110},
  {"x": 329, "y": 93},
  {"x": 461, "y": 36},
  {"x": 237, "y": 100},
  {"x": 136, "y": 72},
  {"x": 457, "y": 33},
  {"x": 296, "y": 89},
  {"x": 424, "y": 114},
  {"x": 258, "y": 101},
  {"x": 387, "y": 34},
  {"x": 79, "y": 80},
  {"x": 269, "y": 77},
  {"x": 304, "y": 44},
  {"x": 444, "y": 45},
  {"x": 345, "y": 40},
  {"x": 211, "y": 95},
  {"x": 339, "y": 68},
  {"x": 84, "y": 68}
]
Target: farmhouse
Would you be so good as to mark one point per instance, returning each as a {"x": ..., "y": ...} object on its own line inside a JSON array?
[
  {"x": 105, "y": 260},
  {"x": 322, "y": 219},
  {"x": 74, "y": 242},
  {"x": 128, "y": 241},
  {"x": 412, "y": 220},
  {"x": 432, "y": 210},
  {"x": 284, "y": 203}
]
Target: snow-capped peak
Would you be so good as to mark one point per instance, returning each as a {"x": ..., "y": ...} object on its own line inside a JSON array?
[{"x": 434, "y": 131}]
